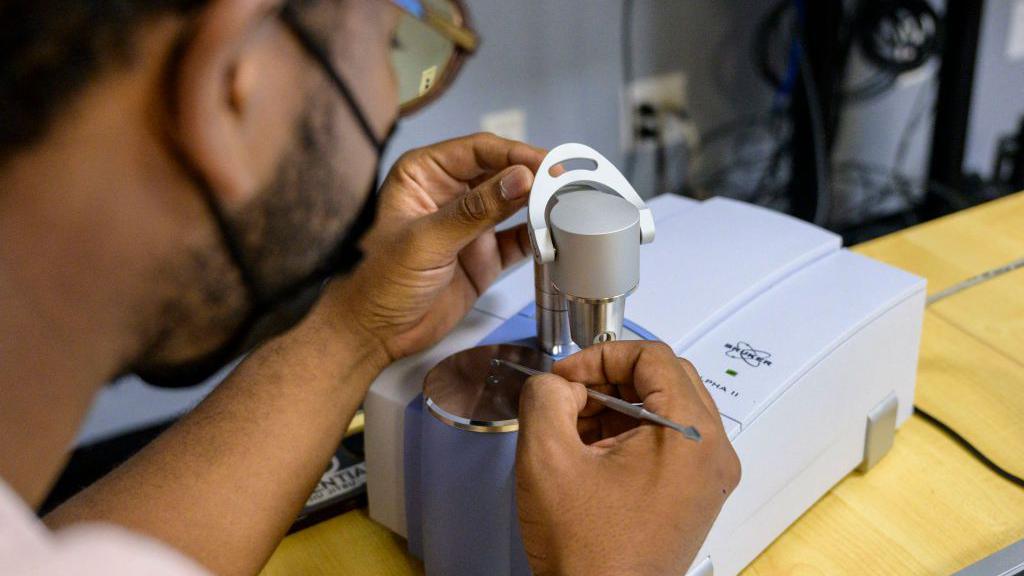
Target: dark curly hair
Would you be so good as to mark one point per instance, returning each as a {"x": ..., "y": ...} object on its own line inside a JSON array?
[{"x": 50, "y": 49}]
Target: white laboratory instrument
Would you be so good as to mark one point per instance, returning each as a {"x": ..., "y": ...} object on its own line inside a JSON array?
[{"x": 809, "y": 350}]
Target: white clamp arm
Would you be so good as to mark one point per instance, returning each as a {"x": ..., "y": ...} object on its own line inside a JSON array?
[{"x": 604, "y": 177}]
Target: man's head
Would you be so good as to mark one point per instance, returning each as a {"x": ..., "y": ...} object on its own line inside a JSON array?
[{"x": 167, "y": 114}]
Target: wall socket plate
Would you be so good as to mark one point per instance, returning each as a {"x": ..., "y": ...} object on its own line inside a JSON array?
[
  {"x": 509, "y": 123},
  {"x": 663, "y": 91}
]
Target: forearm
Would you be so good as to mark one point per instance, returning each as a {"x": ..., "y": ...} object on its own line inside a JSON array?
[{"x": 224, "y": 483}]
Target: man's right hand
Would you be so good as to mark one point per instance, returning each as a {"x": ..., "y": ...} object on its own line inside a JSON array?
[{"x": 599, "y": 493}]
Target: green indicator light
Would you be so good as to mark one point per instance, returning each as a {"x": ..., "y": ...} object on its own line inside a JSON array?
[{"x": 731, "y": 372}]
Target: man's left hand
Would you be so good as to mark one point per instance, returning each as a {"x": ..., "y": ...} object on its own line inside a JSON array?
[{"x": 433, "y": 248}]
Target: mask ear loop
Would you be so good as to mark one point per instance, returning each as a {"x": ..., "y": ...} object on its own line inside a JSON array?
[
  {"x": 227, "y": 350},
  {"x": 290, "y": 17}
]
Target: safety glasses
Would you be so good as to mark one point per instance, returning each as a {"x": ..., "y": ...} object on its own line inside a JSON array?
[{"x": 432, "y": 41}]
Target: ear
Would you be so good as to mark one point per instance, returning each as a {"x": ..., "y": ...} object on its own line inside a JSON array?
[{"x": 217, "y": 74}]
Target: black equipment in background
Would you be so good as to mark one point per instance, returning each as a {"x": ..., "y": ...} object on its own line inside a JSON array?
[
  {"x": 814, "y": 107},
  {"x": 893, "y": 36},
  {"x": 953, "y": 102}
]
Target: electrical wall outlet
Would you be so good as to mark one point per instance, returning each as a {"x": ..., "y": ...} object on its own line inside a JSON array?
[
  {"x": 427, "y": 78},
  {"x": 665, "y": 93},
  {"x": 509, "y": 123}
]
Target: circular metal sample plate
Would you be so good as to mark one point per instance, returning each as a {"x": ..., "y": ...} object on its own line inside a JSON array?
[{"x": 465, "y": 391}]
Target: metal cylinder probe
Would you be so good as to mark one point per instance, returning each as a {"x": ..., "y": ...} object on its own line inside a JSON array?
[
  {"x": 597, "y": 263},
  {"x": 586, "y": 227}
]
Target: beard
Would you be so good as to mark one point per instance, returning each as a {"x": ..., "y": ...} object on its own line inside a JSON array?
[
  {"x": 284, "y": 233},
  {"x": 301, "y": 215}
]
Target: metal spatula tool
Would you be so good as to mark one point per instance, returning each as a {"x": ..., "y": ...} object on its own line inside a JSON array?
[{"x": 617, "y": 404}]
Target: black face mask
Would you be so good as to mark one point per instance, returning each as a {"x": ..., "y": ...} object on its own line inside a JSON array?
[{"x": 273, "y": 312}]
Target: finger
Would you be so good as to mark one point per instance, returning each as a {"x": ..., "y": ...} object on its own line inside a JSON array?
[
  {"x": 466, "y": 217},
  {"x": 513, "y": 245},
  {"x": 589, "y": 430},
  {"x": 613, "y": 363},
  {"x": 603, "y": 422},
  {"x": 616, "y": 423},
  {"x": 594, "y": 407},
  {"x": 651, "y": 368},
  {"x": 549, "y": 408},
  {"x": 607, "y": 424},
  {"x": 478, "y": 155},
  {"x": 479, "y": 263}
]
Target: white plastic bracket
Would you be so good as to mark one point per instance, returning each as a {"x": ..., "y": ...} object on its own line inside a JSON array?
[{"x": 604, "y": 176}]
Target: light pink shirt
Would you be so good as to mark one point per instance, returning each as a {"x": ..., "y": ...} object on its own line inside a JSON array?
[{"x": 28, "y": 547}]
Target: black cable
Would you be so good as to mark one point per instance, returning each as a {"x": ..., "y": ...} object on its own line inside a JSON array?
[
  {"x": 817, "y": 126},
  {"x": 1006, "y": 474},
  {"x": 885, "y": 173},
  {"x": 875, "y": 185},
  {"x": 771, "y": 169},
  {"x": 873, "y": 179},
  {"x": 992, "y": 465},
  {"x": 740, "y": 129},
  {"x": 895, "y": 181},
  {"x": 778, "y": 146},
  {"x": 895, "y": 36},
  {"x": 846, "y": 36},
  {"x": 626, "y": 53},
  {"x": 744, "y": 123},
  {"x": 761, "y": 47},
  {"x": 918, "y": 111}
]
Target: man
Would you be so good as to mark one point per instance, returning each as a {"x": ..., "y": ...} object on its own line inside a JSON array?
[{"x": 177, "y": 179}]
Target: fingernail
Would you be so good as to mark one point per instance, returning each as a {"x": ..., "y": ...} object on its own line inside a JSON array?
[
  {"x": 475, "y": 205},
  {"x": 515, "y": 184}
]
